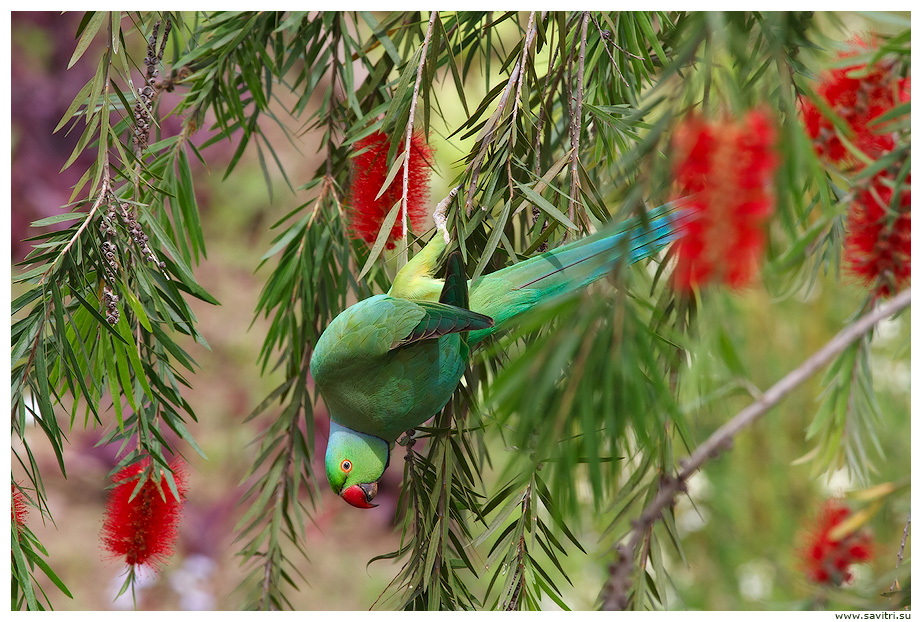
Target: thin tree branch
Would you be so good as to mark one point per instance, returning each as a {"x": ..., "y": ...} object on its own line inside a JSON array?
[
  {"x": 404, "y": 249},
  {"x": 605, "y": 37},
  {"x": 334, "y": 69},
  {"x": 576, "y": 120},
  {"x": 515, "y": 107},
  {"x": 543, "y": 108},
  {"x": 535, "y": 212},
  {"x": 899, "y": 555},
  {"x": 494, "y": 122},
  {"x": 723, "y": 437},
  {"x": 616, "y": 46},
  {"x": 103, "y": 192},
  {"x": 512, "y": 604}
]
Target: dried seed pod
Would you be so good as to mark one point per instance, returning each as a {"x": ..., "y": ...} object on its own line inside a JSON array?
[{"x": 111, "y": 302}]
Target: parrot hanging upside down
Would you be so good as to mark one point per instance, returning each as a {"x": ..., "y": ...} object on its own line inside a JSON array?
[{"x": 388, "y": 363}]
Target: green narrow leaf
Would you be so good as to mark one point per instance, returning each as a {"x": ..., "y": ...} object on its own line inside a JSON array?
[
  {"x": 78, "y": 101},
  {"x": 135, "y": 305},
  {"x": 180, "y": 428},
  {"x": 183, "y": 270},
  {"x": 730, "y": 354},
  {"x": 455, "y": 74},
  {"x": 22, "y": 569},
  {"x": 38, "y": 561},
  {"x": 87, "y": 37},
  {"x": 395, "y": 168},
  {"x": 116, "y": 30},
  {"x": 381, "y": 35},
  {"x": 53, "y": 220},
  {"x": 122, "y": 369},
  {"x": 492, "y": 241},
  {"x": 546, "y": 206},
  {"x": 111, "y": 374},
  {"x": 84, "y": 140},
  {"x": 172, "y": 347},
  {"x": 283, "y": 240},
  {"x": 189, "y": 205},
  {"x": 431, "y": 551},
  {"x": 383, "y": 233},
  {"x": 42, "y": 397}
]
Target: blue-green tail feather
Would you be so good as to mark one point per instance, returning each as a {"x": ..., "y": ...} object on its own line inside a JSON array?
[{"x": 513, "y": 290}]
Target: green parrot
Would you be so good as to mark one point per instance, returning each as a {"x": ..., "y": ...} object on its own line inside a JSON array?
[{"x": 388, "y": 363}]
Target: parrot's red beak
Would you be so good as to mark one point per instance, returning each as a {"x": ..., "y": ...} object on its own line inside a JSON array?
[{"x": 360, "y": 495}]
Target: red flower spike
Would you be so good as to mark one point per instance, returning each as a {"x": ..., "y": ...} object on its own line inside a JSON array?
[
  {"x": 369, "y": 171},
  {"x": 878, "y": 242},
  {"x": 877, "y": 245},
  {"x": 827, "y": 561},
  {"x": 19, "y": 513},
  {"x": 858, "y": 94},
  {"x": 725, "y": 170},
  {"x": 144, "y": 529}
]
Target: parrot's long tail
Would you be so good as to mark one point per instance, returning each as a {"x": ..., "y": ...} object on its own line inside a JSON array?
[{"x": 508, "y": 292}]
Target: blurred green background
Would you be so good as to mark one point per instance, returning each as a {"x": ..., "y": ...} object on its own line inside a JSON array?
[{"x": 740, "y": 526}]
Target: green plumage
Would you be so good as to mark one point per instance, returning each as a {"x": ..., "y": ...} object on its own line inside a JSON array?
[{"x": 390, "y": 362}]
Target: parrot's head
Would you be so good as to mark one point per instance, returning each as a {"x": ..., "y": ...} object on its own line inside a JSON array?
[{"x": 355, "y": 462}]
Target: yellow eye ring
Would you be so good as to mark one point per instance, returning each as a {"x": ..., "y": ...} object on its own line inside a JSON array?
[{"x": 346, "y": 466}]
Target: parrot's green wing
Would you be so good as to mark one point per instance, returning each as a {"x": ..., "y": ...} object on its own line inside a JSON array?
[
  {"x": 365, "y": 332},
  {"x": 450, "y": 314},
  {"x": 441, "y": 319}
]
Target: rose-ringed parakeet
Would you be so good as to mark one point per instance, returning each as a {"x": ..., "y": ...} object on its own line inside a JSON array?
[{"x": 388, "y": 363}]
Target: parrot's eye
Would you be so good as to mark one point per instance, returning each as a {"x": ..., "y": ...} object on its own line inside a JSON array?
[{"x": 346, "y": 466}]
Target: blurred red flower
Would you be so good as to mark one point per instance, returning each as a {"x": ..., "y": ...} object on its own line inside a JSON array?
[
  {"x": 858, "y": 94},
  {"x": 143, "y": 530},
  {"x": 19, "y": 513},
  {"x": 827, "y": 560},
  {"x": 878, "y": 242},
  {"x": 369, "y": 172},
  {"x": 724, "y": 173}
]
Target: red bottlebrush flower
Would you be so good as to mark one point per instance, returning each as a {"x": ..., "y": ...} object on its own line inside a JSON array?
[
  {"x": 369, "y": 172},
  {"x": 19, "y": 513},
  {"x": 878, "y": 242},
  {"x": 143, "y": 530},
  {"x": 858, "y": 94},
  {"x": 724, "y": 170},
  {"x": 826, "y": 560},
  {"x": 877, "y": 246},
  {"x": 825, "y": 141}
]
